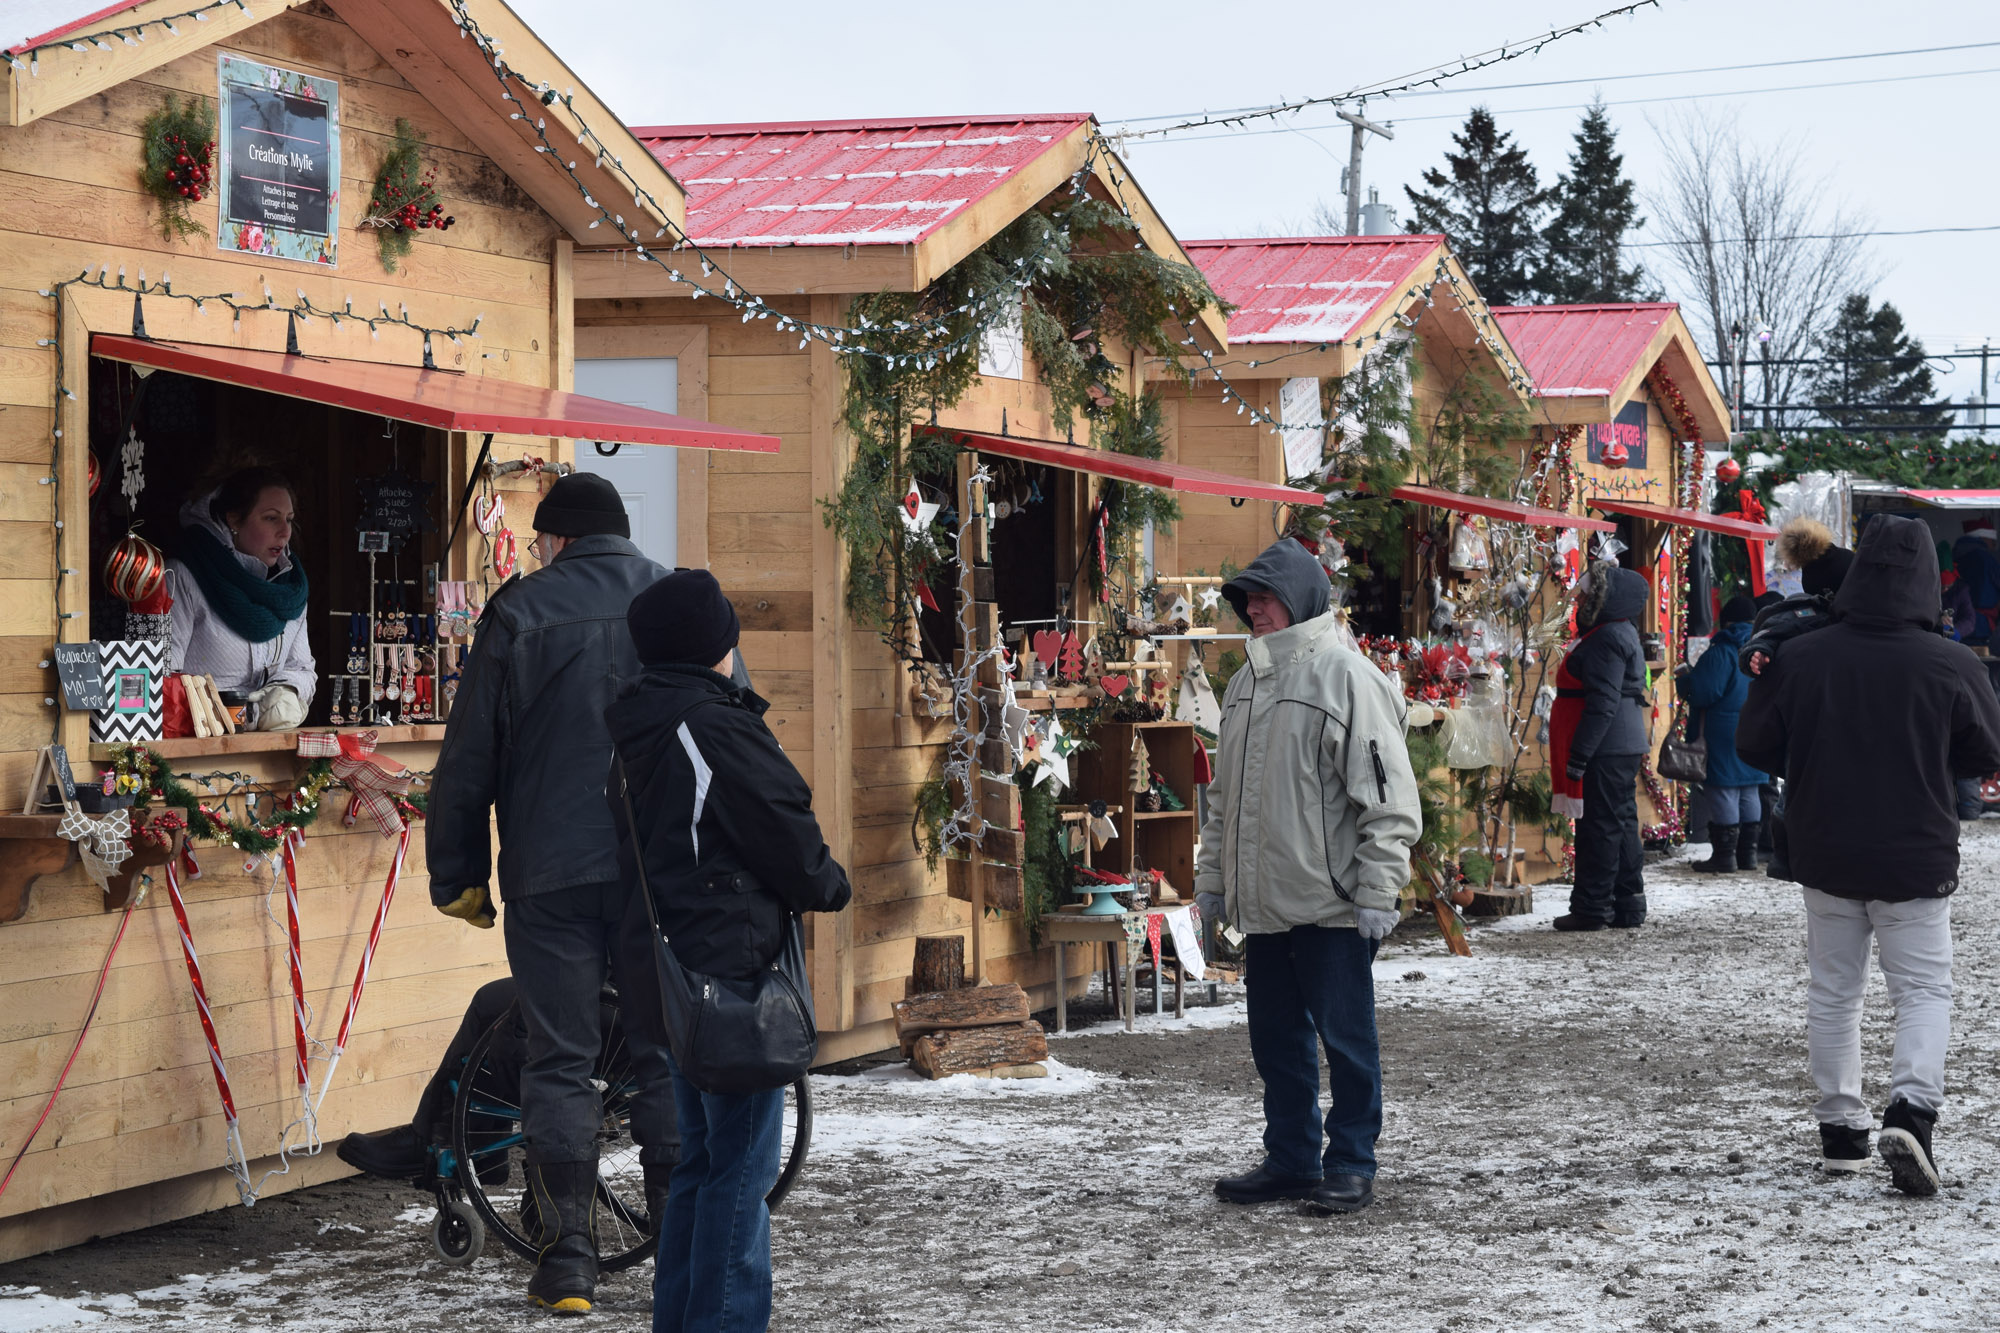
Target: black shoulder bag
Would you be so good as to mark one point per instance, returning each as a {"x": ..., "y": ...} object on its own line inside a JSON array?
[{"x": 730, "y": 1036}]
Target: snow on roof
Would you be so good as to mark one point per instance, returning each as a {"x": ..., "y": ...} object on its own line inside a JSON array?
[
  {"x": 854, "y": 182},
  {"x": 1582, "y": 351},
  {"x": 1310, "y": 288},
  {"x": 26, "y": 23}
]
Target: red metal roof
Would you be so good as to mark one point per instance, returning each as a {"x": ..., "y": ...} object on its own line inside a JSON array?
[
  {"x": 27, "y": 23},
  {"x": 1687, "y": 518},
  {"x": 444, "y": 399},
  {"x": 1581, "y": 351},
  {"x": 844, "y": 182},
  {"x": 1512, "y": 511},
  {"x": 1957, "y": 499},
  {"x": 1124, "y": 467},
  {"x": 1307, "y": 289}
]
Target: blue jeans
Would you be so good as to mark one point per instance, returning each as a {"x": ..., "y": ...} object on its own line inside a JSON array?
[
  {"x": 1970, "y": 803},
  {"x": 714, "y": 1270},
  {"x": 1734, "y": 805},
  {"x": 1308, "y": 986}
]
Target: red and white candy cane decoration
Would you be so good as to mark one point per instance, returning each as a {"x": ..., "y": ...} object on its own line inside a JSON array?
[
  {"x": 293, "y": 838},
  {"x": 239, "y": 1165},
  {"x": 367, "y": 957}
]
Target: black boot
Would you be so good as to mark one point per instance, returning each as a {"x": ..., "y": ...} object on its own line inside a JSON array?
[
  {"x": 1781, "y": 862},
  {"x": 397, "y": 1154},
  {"x": 1746, "y": 846},
  {"x": 565, "y": 1202},
  {"x": 1721, "y": 860},
  {"x": 1905, "y": 1144},
  {"x": 659, "y": 1175}
]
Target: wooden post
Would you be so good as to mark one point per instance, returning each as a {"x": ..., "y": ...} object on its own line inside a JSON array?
[
  {"x": 973, "y": 501},
  {"x": 833, "y": 741}
]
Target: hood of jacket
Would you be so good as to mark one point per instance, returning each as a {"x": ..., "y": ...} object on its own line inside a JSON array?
[
  {"x": 1293, "y": 573},
  {"x": 1615, "y": 594},
  {"x": 661, "y": 692},
  {"x": 1894, "y": 581},
  {"x": 195, "y": 514}
]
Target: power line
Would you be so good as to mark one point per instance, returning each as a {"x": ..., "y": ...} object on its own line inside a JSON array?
[
  {"x": 1393, "y": 121},
  {"x": 1616, "y": 78},
  {"x": 1428, "y": 77},
  {"x": 1768, "y": 240}
]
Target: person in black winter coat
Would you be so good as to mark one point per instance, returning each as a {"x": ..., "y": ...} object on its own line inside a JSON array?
[
  {"x": 1869, "y": 720},
  {"x": 1605, "y": 753},
  {"x": 732, "y": 853},
  {"x": 526, "y": 737}
]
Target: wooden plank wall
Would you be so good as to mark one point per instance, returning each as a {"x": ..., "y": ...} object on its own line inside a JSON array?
[
  {"x": 136, "y": 1138},
  {"x": 1207, "y": 432}
]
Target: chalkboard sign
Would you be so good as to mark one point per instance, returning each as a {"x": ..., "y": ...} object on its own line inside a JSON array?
[
  {"x": 59, "y": 758},
  {"x": 280, "y": 161},
  {"x": 81, "y": 667},
  {"x": 396, "y": 504}
]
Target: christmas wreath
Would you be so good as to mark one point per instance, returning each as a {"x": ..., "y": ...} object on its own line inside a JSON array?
[
  {"x": 405, "y": 199},
  {"x": 179, "y": 141}
]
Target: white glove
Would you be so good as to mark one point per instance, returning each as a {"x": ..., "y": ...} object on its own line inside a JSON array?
[
  {"x": 277, "y": 708},
  {"x": 1373, "y": 924}
]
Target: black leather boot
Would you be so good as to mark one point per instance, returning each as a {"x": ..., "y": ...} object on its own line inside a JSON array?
[
  {"x": 1721, "y": 860},
  {"x": 659, "y": 1175},
  {"x": 565, "y": 1203},
  {"x": 397, "y": 1154},
  {"x": 1746, "y": 846}
]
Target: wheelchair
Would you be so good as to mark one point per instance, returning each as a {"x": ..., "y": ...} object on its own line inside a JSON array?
[{"x": 480, "y": 1177}]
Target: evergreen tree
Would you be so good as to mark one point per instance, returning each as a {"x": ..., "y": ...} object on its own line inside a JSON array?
[
  {"x": 1595, "y": 208},
  {"x": 1871, "y": 359},
  {"x": 1490, "y": 203}
]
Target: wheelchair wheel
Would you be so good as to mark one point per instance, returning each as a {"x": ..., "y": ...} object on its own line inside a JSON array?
[
  {"x": 492, "y": 1167},
  {"x": 795, "y": 1139}
]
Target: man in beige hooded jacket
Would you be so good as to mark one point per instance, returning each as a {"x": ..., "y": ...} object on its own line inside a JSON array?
[{"x": 1311, "y": 816}]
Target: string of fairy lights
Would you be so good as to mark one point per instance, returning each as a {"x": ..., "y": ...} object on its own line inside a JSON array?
[{"x": 28, "y": 58}]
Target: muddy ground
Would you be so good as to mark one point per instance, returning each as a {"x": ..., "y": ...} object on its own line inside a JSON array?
[{"x": 1605, "y": 1131}]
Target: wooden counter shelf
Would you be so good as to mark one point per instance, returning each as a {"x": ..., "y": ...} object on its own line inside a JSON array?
[
  {"x": 31, "y": 848},
  {"x": 258, "y": 742}
]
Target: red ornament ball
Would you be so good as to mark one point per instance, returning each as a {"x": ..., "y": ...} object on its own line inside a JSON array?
[
  {"x": 96, "y": 475},
  {"x": 1614, "y": 456},
  {"x": 135, "y": 569},
  {"x": 1728, "y": 470}
]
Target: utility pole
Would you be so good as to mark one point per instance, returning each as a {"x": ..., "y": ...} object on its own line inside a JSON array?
[
  {"x": 1985, "y": 350},
  {"x": 1362, "y": 129}
]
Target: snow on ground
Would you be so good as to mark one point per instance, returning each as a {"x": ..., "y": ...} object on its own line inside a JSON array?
[{"x": 1596, "y": 1132}]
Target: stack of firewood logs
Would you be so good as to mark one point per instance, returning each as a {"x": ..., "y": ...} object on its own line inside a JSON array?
[{"x": 981, "y": 1030}]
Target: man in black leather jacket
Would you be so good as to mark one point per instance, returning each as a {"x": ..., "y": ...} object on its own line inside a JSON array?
[{"x": 527, "y": 737}]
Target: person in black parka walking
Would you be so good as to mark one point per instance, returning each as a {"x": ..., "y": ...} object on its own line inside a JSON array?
[
  {"x": 1606, "y": 750},
  {"x": 1869, "y": 720},
  {"x": 732, "y": 852}
]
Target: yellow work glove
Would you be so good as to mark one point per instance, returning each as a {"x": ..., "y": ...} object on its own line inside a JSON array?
[{"x": 473, "y": 905}]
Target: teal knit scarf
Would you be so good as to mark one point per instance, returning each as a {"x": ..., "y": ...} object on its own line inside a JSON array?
[{"x": 256, "y": 608}]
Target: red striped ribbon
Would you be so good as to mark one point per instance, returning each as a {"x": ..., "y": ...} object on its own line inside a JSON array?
[
  {"x": 374, "y": 935},
  {"x": 200, "y": 991},
  {"x": 292, "y": 839}
]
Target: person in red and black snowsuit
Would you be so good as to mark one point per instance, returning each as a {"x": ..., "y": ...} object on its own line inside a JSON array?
[{"x": 1602, "y": 749}]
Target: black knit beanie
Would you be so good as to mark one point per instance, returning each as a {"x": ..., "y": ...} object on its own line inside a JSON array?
[
  {"x": 582, "y": 504},
  {"x": 683, "y": 620},
  {"x": 1739, "y": 610},
  {"x": 1825, "y": 574}
]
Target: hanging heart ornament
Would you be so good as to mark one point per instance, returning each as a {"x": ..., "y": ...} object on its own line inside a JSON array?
[
  {"x": 1048, "y": 646},
  {"x": 1114, "y": 686}
]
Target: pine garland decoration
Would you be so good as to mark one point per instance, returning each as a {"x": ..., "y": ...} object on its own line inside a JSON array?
[
  {"x": 151, "y": 779},
  {"x": 179, "y": 163},
  {"x": 404, "y": 200}
]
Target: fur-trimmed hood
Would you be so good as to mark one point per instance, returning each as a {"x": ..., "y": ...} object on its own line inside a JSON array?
[{"x": 1612, "y": 594}]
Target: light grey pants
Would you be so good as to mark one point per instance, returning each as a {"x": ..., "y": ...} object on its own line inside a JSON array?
[{"x": 1915, "y": 942}]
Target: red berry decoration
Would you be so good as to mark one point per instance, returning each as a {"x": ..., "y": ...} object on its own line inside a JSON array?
[{"x": 1728, "y": 470}]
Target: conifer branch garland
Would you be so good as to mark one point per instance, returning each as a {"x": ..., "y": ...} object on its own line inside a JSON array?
[
  {"x": 179, "y": 163},
  {"x": 405, "y": 199},
  {"x": 150, "y": 778}
]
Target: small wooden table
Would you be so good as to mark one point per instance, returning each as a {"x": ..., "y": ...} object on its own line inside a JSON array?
[{"x": 1074, "y": 927}]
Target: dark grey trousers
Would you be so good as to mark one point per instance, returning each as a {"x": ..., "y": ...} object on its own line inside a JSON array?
[{"x": 561, "y": 946}]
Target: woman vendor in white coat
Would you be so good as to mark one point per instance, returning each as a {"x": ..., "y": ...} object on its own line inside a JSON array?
[{"x": 240, "y": 598}]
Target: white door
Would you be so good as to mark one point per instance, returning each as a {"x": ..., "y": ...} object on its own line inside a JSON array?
[{"x": 643, "y": 473}]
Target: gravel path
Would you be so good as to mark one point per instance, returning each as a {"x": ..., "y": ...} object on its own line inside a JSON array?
[{"x": 1607, "y": 1131}]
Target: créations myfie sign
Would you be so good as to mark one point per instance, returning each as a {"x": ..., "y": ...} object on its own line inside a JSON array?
[{"x": 280, "y": 133}]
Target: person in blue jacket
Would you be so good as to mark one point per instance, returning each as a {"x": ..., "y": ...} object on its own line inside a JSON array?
[{"x": 1716, "y": 687}]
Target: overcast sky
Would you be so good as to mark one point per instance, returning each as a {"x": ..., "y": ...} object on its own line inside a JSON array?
[{"x": 1906, "y": 154}]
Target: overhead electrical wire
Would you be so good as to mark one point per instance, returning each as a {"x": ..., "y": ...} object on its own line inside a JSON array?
[
  {"x": 1614, "y": 78},
  {"x": 1393, "y": 121}
]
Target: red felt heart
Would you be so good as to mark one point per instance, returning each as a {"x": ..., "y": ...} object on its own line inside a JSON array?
[
  {"x": 1114, "y": 686},
  {"x": 1047, "y": 645},
  {"x": 911, "y": 502}
]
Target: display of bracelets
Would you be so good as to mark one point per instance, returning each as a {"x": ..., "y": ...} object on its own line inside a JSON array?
[{"x": 357, "y": 643}]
